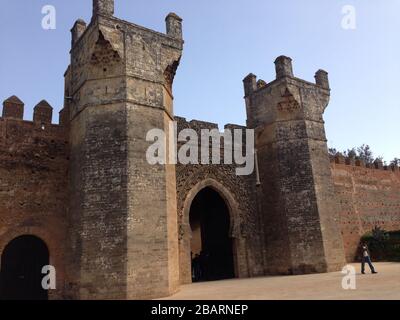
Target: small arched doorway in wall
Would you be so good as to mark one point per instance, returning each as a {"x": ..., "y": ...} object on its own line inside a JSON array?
[
  {"x": 211, "y": 242},
  {"x": 21, "y": 269}
]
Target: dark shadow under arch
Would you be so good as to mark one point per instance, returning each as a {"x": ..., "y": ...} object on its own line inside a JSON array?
[
  {"x": 21, "y": 264},
  {"x": 211, "y": 242}
]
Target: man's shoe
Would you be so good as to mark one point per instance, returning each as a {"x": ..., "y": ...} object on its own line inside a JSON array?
[
  {"x": 373, "y": 272},
  {"x": 363, "y": 272}
]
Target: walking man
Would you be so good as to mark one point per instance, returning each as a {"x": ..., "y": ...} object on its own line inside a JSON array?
[{"x": 366, "y": 259}]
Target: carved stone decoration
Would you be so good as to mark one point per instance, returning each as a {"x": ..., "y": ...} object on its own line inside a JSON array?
[
  {"x": 289, "y": 103},
  {"x": 239, "y": 193},
  {"x": 261, "y": 84},
  {"x": 240, "y": 187},
  {"x": 169, "y": 75},
  {"x": 104, "y": 55}
]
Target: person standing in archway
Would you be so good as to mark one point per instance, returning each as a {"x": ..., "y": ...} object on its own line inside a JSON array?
[
  {"x": 196, "y": 267},
  {"x": 204, "y": 265}
]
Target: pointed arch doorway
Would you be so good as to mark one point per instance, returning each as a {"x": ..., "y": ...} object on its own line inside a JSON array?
[
  {"x": 211, "y": 242},
  {"x": 21, "y": 264}
]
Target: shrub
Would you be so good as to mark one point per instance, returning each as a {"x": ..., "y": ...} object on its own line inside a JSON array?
[{"x": 383, "y": 246}]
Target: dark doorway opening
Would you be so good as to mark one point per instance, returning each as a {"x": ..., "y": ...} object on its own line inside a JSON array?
[
  {"x": 21, "y": 269},
  {"x": 211, "y": 244}
]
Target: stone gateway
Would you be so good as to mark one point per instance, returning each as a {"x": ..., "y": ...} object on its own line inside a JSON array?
[{"x": 81, "y": 196}]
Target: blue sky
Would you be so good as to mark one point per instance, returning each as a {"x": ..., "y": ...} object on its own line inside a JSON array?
[{"x": 226, "y": 40}]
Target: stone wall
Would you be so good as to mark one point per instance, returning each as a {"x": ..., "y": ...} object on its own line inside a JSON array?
[
  {"x": 33, "y": 182},
  {"x": 240, "y": 195},
  {"x": 297, "y": 200},
  {"x": 123, "y": 233},
  {"x": 118, "y": 228},
  {"x": 367, "y": 197}
]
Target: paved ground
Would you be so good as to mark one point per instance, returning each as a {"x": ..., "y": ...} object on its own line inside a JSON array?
[{"x": 384, "y": 285}]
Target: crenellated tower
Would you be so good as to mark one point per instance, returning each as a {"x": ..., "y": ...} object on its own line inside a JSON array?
[
  {"x": 123, "y": 223},
  {"x": 298, "y": 203}
]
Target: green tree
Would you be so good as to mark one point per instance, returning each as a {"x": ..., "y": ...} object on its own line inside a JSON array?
[
  {"x": 395, "y": 162},
  {"x": 365, "y": 153},
  {"x": 379, "y": 159},
  {"x": 332, "y": 152},
  {"x": 351, "y": 153}
]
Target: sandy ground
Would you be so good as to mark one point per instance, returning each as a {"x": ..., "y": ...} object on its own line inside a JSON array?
[{"x": 384, "y": 285}]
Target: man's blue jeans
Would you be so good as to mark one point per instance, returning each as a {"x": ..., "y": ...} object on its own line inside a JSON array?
[{"x": 367, "y": 260}]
